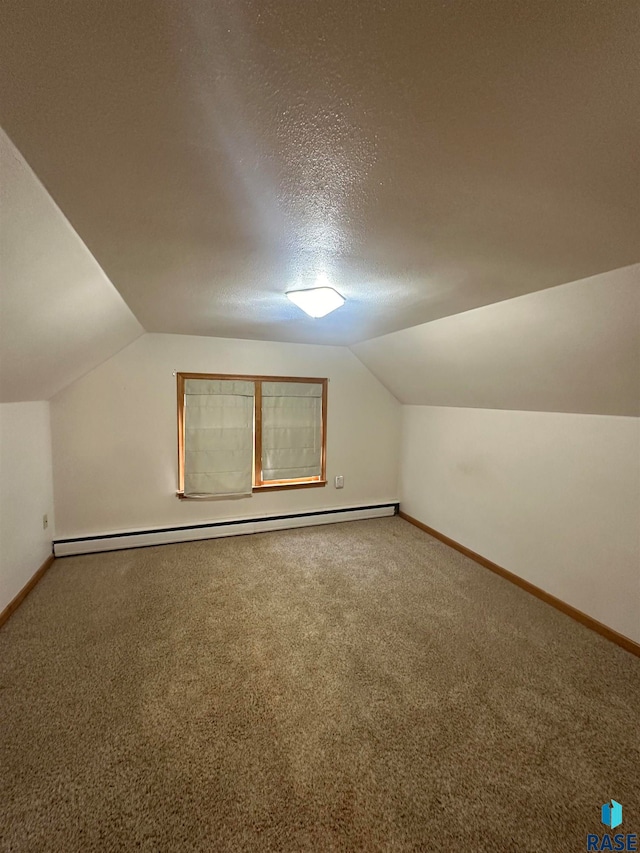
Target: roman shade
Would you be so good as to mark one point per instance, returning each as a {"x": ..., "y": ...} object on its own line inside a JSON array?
[
  {"x": 291, "y": 430},
  {"x": 218, "y": 437}
]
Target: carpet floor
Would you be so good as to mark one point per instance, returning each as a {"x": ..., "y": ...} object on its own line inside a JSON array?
[{"x": 356, "y": 686}]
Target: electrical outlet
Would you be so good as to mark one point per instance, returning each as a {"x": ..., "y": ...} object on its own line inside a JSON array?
[
  {"x": 45, "y": 522},
  {"x": 339, "y": 482}
]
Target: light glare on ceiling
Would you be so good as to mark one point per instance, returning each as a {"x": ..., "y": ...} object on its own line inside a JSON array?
[{"x": 316, "y": 301}]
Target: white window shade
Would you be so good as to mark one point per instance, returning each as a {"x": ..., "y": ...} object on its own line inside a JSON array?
[
  {"x": 291, "y": 430},
  {"x": 218, "y": 437}
]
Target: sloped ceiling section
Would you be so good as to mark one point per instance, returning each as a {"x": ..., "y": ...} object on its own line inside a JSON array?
[
  {"x": 60, "y": 316},
  {"x": 573, "y": 348},
  {"x": 429, "y": 157}
]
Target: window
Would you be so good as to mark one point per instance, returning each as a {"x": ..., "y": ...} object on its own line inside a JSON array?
[{"x": 244, "y": 434}]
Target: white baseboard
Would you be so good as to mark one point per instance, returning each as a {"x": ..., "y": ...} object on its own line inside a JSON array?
[{"x": 214, "y": 530}]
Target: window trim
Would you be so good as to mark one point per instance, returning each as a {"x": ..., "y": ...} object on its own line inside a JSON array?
[{"x": 258, "y": 484}]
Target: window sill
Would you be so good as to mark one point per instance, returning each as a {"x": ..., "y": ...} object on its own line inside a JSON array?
[
  {"x": 277, "y": 487},
  {"x": 181, "y": 496},
  {"x": 267, "y": 487}
]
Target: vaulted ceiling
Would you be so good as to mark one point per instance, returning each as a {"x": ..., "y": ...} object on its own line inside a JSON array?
[
  {"x": 60, "y": 316},
  {"x": 572, "y": 348},
  {"x": 428, "y": 157}
]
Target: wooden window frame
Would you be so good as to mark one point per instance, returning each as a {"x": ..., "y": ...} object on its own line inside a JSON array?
[{"x": 259, "y": 485}]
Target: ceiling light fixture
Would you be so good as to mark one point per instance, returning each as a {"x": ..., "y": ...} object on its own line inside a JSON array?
[{"x": 316, "y": 301}]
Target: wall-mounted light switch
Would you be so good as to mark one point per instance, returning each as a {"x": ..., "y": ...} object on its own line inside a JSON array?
[{"x": 339, "y": 482}]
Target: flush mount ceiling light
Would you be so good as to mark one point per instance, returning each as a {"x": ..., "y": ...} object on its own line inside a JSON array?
[{"x": 316, "y": 301}]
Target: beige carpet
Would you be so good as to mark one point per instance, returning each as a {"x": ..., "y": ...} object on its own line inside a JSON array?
[{"x": 350, "y": 687}]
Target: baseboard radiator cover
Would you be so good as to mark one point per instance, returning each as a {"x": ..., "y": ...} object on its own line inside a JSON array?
[{"x": 216, "y": 529}]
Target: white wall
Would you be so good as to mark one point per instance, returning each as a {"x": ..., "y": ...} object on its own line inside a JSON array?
[
  {"x": 494, "y": 454},
  {"x": 26, "y": 494},
  {"x": 552, "y": 497},
  {"x": 115, "y": 444}
]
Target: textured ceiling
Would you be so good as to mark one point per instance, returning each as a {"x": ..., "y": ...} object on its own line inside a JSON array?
[
  {"x": 60, "y": 316},
  {"x": 428, "y": 157},
  {"x": 574, "y": 348}
]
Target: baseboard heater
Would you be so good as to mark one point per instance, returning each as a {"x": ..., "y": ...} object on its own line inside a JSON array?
[{"x": 215, "y": 529}]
